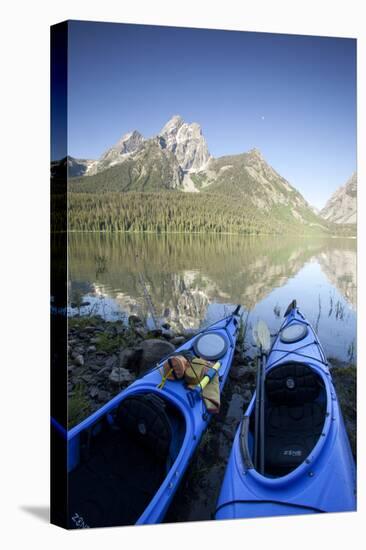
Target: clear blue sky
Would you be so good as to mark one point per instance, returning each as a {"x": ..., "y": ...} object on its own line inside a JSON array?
[{"x": 293, "y": 97}]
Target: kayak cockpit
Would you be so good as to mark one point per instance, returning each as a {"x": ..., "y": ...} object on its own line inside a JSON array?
[
  {"x": 124, "y": 459},
  {"x": 294, "y": 416}
]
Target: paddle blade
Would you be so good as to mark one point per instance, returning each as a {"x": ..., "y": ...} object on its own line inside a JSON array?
[{"x": 261, "y": 336}]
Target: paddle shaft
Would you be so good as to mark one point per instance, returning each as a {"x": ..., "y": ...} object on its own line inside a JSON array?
[
  {"x": 261, "y": 414},
  {"x": 257, "y": 414},
  {"x": 262, "y": 339}
]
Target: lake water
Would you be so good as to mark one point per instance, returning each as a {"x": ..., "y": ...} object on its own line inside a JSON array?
[{"x": 194, "y": 280}]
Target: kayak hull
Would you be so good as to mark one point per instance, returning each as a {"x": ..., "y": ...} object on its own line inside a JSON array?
[
  {"x": 258, "y": 509},
  {"x": 324, "y": 482}
]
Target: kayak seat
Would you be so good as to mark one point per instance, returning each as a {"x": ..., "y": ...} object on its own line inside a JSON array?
[
  {"x": 292, "y": 384},
  {"x": 295, "y": 416},
  {"x": 144, "y": 417}
]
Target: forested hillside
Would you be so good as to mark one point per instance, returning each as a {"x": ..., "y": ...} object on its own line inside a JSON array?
[{"x": 178, "y": 212}]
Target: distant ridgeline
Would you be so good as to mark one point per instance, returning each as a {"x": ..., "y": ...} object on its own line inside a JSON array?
[{"x": 170, "y": 183}]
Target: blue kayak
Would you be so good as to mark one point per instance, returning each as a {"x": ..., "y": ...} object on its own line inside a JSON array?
[
  {"x": 307, "y": 463},
  {"x": 126, "y": 460}
]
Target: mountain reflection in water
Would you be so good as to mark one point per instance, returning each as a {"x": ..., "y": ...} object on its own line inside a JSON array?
[{"x": 194, "y": 280}]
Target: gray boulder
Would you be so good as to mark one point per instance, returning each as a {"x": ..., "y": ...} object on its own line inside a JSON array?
[
  {"x": 120, "y": 375},
  {"x": 111, "y": 362},
  {"x": 153, "y": 351},
  {"x": 130, "y": 359},
  {"x": 135, "y": 320},
  {"x": 178, "y": 340},
  {"x": 79, "y": 360},
  {"x": 241, "y": 371},
  {"x": 93, "y": 392}
]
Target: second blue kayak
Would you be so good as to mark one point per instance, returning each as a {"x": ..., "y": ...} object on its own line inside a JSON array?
[{"x": 308, "y": 464}]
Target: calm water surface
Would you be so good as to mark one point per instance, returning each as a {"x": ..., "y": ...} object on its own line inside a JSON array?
[{"x": 194, "y": 280}]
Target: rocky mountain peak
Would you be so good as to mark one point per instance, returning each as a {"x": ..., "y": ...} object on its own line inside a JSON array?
[
  {"x": 351, "y": 184},
  {"x": 187, "y": 142},
  {"x": 128, "y": 143},
  {"x": 69, "y": 167},
  {"x": 342, "y": 205},
  {"x": 172, "y": 126},
  {"x": 255, "y": 154}
]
